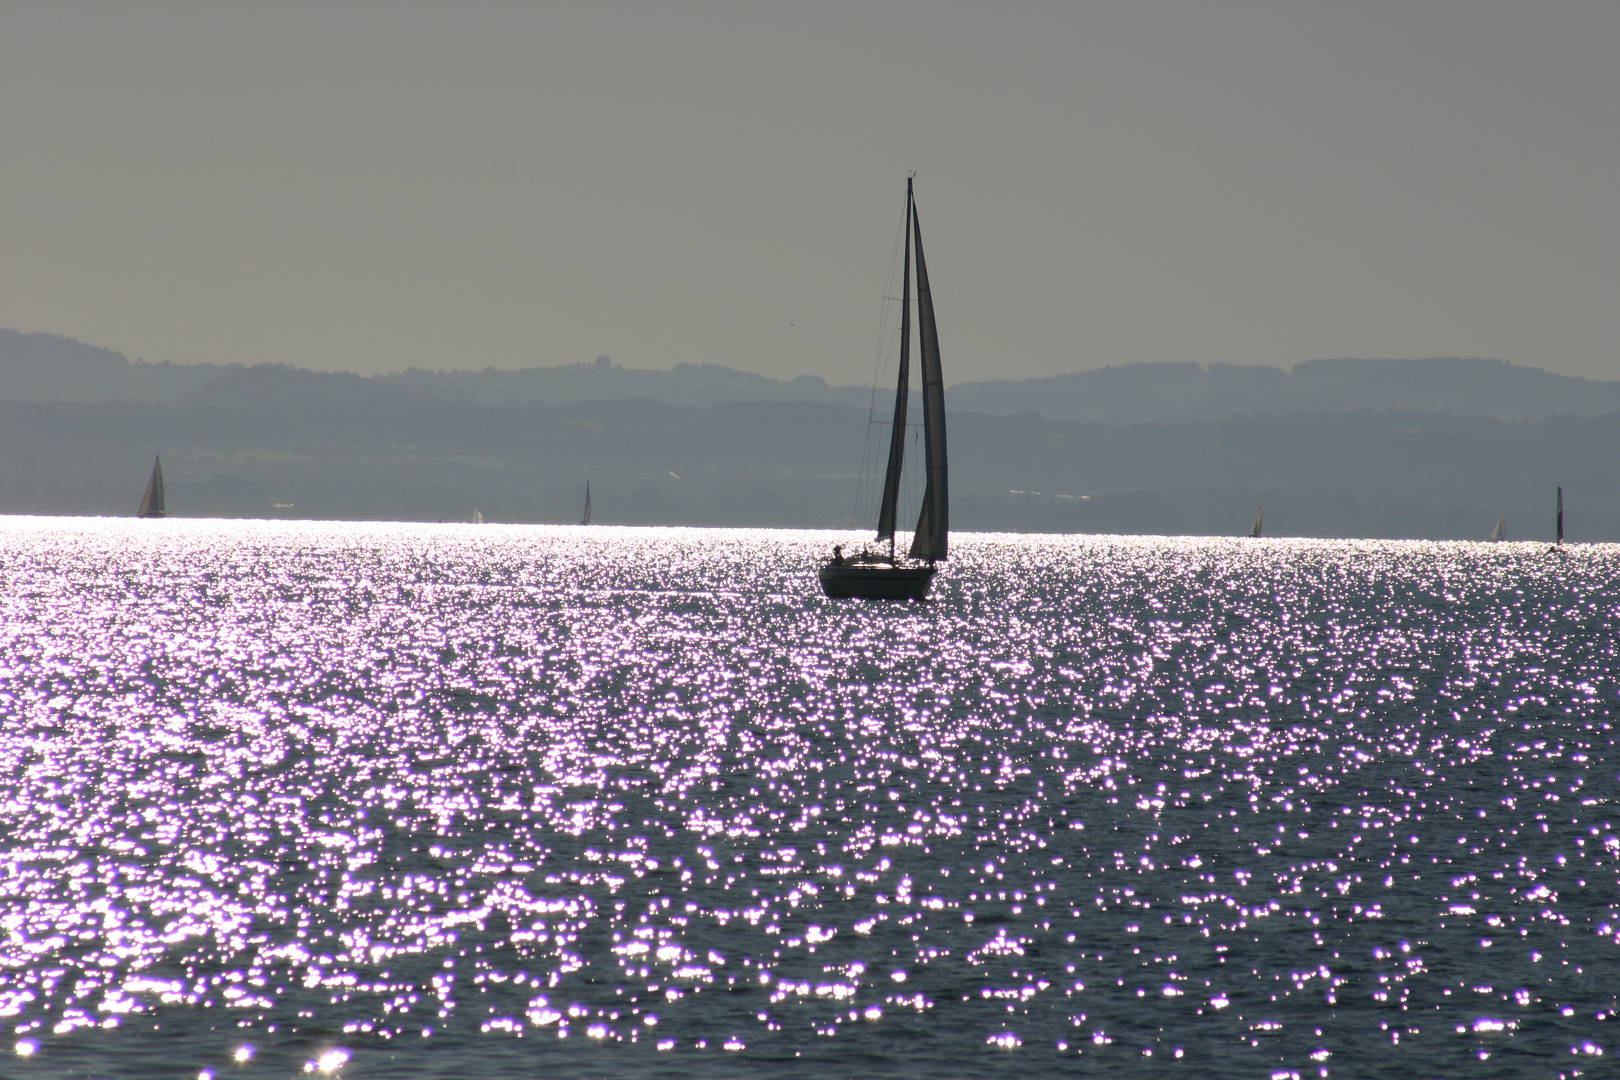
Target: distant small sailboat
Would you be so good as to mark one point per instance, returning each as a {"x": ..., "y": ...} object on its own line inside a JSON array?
[
  {"x": 585, "y": 518},
  {"x": 1500, "y": 532},
  {"x": 1559, "y": 545},
  {"x": 478, "y": 517},
  {"x": 152, "y": 501},
  {"x": 1259, "y": 521}
]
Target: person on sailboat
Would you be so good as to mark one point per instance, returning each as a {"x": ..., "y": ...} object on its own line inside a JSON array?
[{"x": 838, "y": 555}]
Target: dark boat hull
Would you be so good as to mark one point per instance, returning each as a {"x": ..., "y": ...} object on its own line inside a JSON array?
[{"x": 876, "y": 582}]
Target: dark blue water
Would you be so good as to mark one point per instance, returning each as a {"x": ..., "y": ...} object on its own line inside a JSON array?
[{"x": 450, "y": 800}]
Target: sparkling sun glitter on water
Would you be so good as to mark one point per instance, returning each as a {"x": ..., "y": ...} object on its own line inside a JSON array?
[{"x": 406, "y": 800}]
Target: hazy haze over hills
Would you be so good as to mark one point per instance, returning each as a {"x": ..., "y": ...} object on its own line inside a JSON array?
[
  {"x": 376, "y": 249},
  {"x": 1431, "y": 448},
  {"x": 44, "y": 367}
]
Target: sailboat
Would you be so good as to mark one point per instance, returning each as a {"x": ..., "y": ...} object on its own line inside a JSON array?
[
  {"x": 1500, "y": 532},
  {"x": 152, "y": 501},
  {"x": 478, "y": 516},
  {"x": 585, "y": 519},
  {"x": 878, "y": 576},
  {"x": 1560, "y": 544},
  {"x": 1259, "y": 520}
]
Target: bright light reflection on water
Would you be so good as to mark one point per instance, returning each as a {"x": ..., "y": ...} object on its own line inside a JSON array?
[{"x": 401, "y": 800}]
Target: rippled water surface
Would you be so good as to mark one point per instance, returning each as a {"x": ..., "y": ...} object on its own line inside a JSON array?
[{"x": 400, "y": 800}]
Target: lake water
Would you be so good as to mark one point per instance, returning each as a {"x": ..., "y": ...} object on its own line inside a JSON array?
[{"x": 414, "y": 800}]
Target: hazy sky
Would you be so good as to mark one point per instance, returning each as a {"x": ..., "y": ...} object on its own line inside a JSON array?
[{"x": 372, "y": 186}]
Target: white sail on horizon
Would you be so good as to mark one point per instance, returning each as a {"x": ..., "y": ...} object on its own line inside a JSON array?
[{"x": 152, "y": 503}]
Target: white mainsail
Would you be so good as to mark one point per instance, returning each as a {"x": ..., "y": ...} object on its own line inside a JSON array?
[
  {"x": 1259, "y": 521},
  {"x": 1500, "y": 532}
]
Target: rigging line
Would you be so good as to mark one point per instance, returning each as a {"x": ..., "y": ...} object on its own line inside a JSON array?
[{"x": 862, "y": 484}]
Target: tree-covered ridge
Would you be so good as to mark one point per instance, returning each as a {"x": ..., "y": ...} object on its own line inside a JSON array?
[{"x": 42, "y": 367}]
